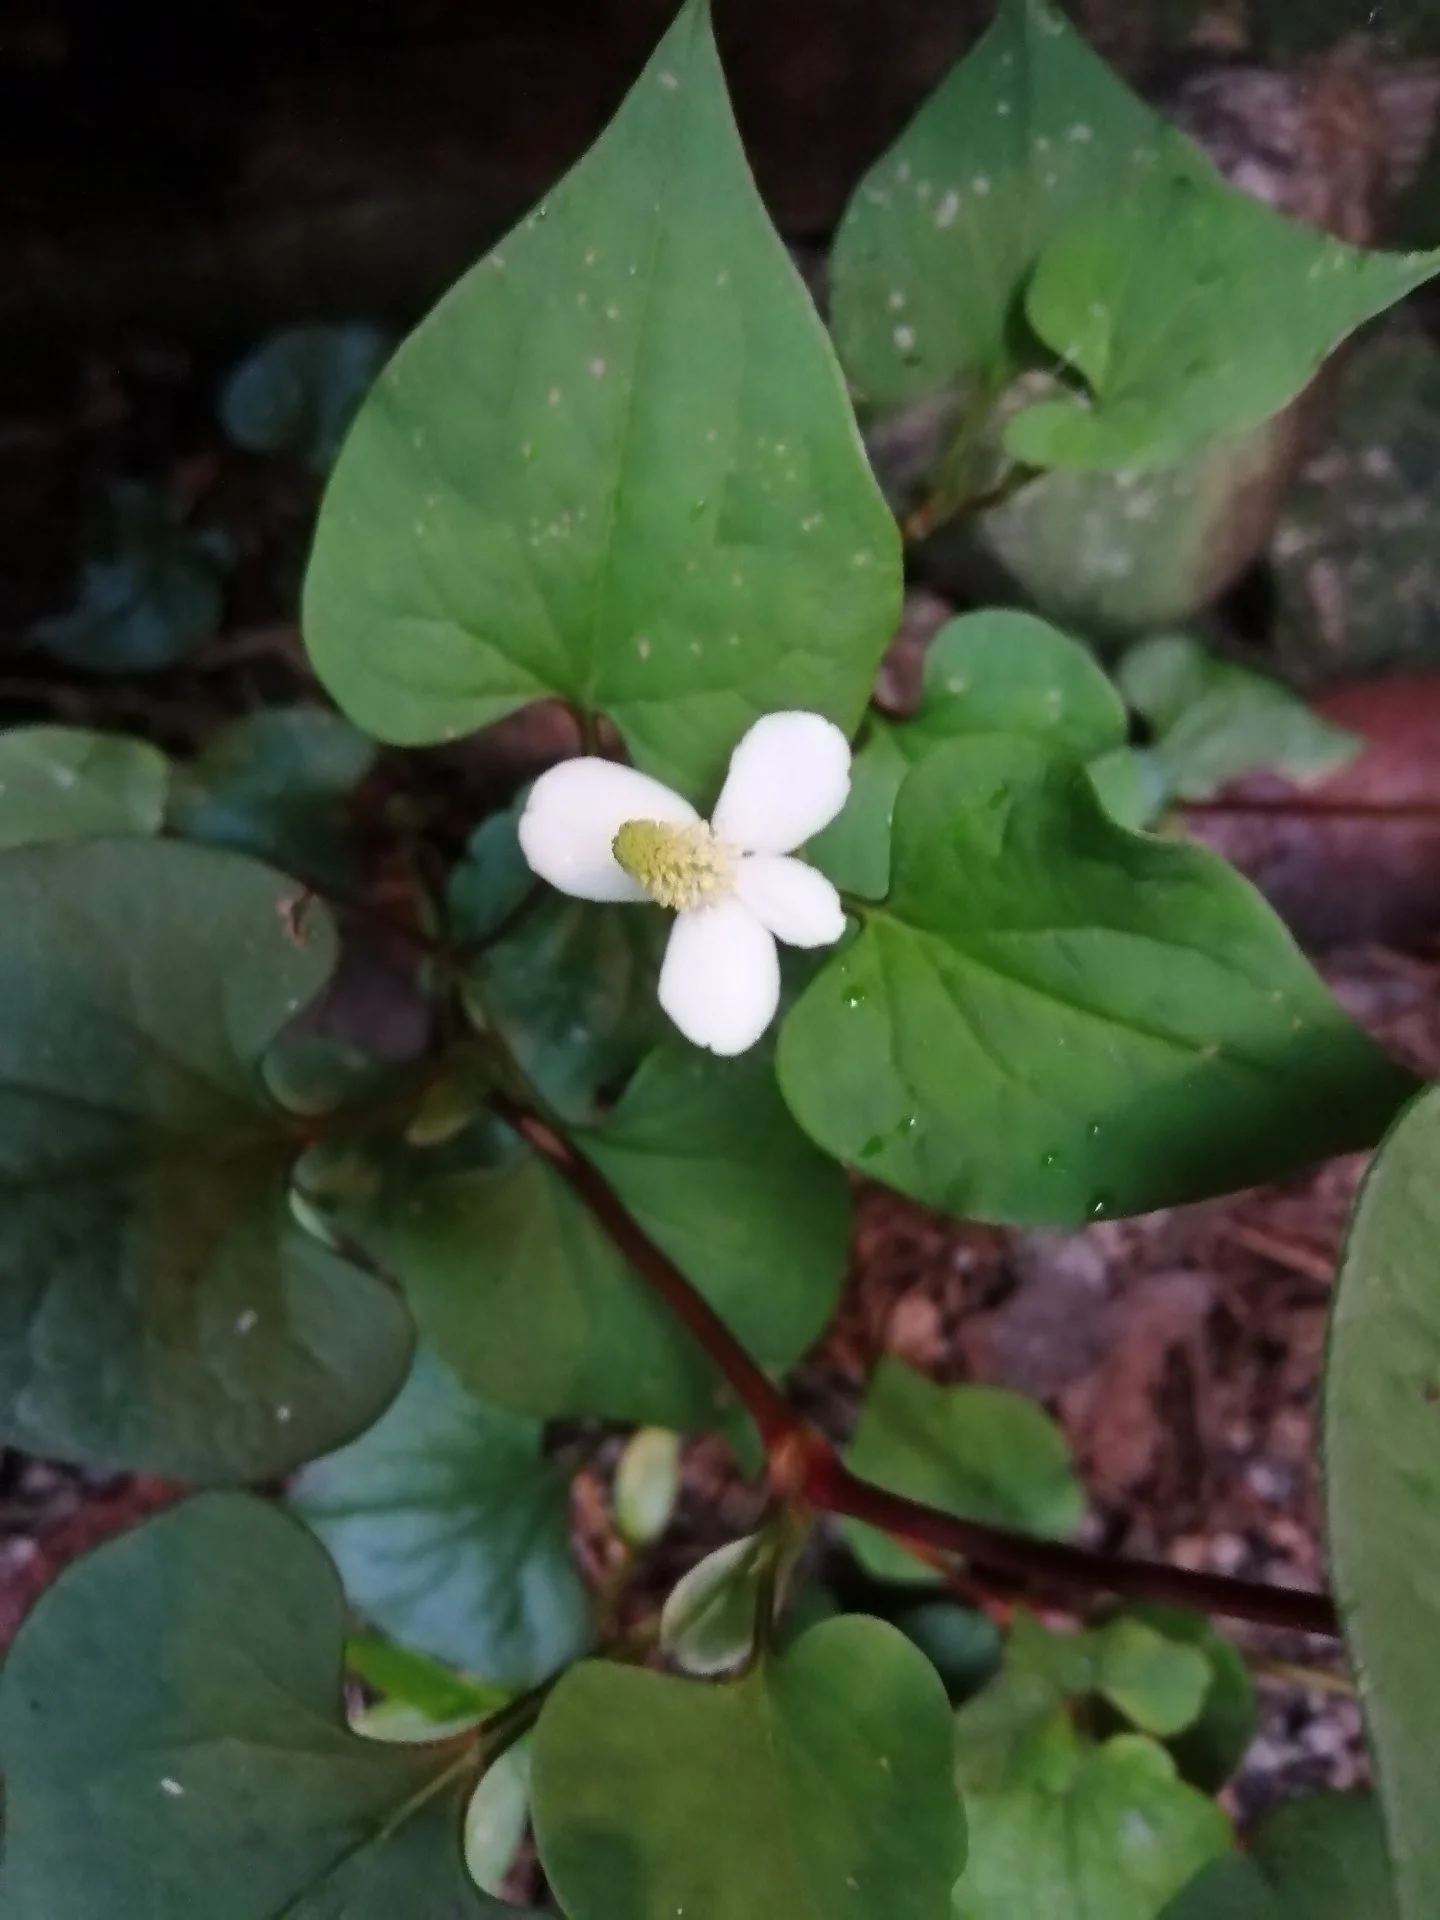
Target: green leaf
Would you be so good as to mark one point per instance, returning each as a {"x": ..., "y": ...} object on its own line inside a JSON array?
[
  {"x": 1015, "y": 1731},
  {"x": 1128, "y": 787},
  {"x": 496, "y": 1818},
  {"x": 65, "y": 783},
  {"x": 709, "y": 1620},
  {"x": 1212, "y": 721},
  {"x": 1029, "y": 132},
  {"x": 1006, "y": 672},
  {"x": 316, "y": 1074},
  {"x": 854, "y": 850},
  {"x": 818, "y": 1786},
  {"x": 1054, "y": 1020},
  {"x": 174, "y": 1739},
  {"x": 616, "y": 464},
  {"x": 414, "y": 1683},
  {"x": 452, "y": 1532},
  {"x": 1192, "y": 310},
  {"x": 1209, "y": 1751},
  {"x": 991, "y": 672},
  {"x": 571, "y": 990},
  {"x": 705, "y": 1156},
  {"x": 299, "y": 391},
  {"x": 1158, "y": 1684},
  {"x": 492, "y": 880},
  {"x": 1382, "y": 1483},
  {"x": 1107, "y": 1831},
  {"x": 961, "y": 1643},
  {"x": 647, "y": 1484},
  {"x": 534, "y": 1309},
  {"x": 151, "y": 601},
  {"x": 1322, "y": 1858},
  {"x": 278, "y": 784},
  {"x": 982, "y": 1452},
  {"x": 159, "y": 1307}
]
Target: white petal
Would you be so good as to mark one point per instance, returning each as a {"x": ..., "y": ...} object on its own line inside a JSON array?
[
  {"x": 720, "y": 980},
  {"x": 788, "y": 778},
  {"x": 568, "y": 828},
  {"x": 796, "y": 903}
]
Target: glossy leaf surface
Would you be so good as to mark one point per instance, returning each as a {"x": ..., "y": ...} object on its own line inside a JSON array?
[
  {"x": 210, "y": 1770},
  {"x": 616, "y": 464}
]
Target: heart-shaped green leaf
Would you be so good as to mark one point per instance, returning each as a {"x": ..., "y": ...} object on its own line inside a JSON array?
[
  {"x": 1322, "y": 1858},
  {"x": 1052, "y": 1019},
  {"x": 159, "y": 1307},
  {"x": 1382, "y": 1483},
  {"x": 64, "y": 783},
  {"x": 1192, "y": 310},
  {"x": 1029, "y": 131},
  {"x": 1088, "y": 1831},
  {"x": 616, "y": 464},
  {"x": 991, "y": 672},
  {"x": 452, "y": 1532},
  {"x": 174, "y": 1738},
  {"x": 819, "y": 1787},
  {"x": 982, "y": 1452}
]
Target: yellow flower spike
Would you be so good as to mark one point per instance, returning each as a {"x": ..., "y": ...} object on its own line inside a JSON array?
[{"x": 678, "y": 866}]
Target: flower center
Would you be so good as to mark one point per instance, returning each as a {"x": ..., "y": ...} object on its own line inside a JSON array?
[{"x": 681, "y": 867}]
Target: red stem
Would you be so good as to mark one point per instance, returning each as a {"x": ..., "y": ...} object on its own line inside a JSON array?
[
  {"x": 1015, "y": 1557},
  {"x": 761, "y": 1399},
  {"x": 805, "y": 1468}
]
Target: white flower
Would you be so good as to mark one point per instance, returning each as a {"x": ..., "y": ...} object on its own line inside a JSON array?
[{"x": 605, "y": 832}]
